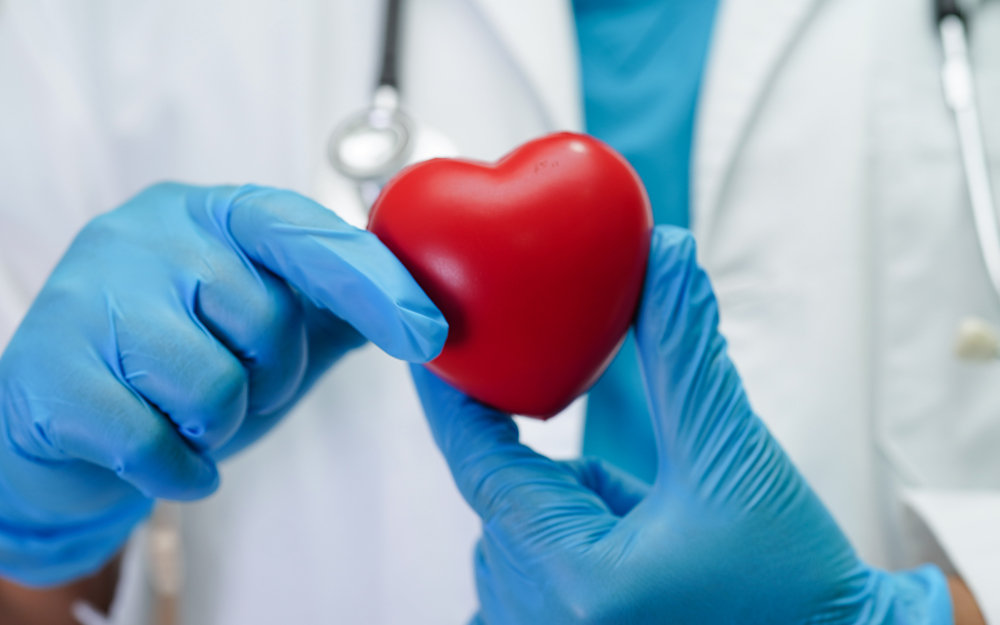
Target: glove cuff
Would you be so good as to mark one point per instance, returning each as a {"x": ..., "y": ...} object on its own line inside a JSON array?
[
  {"x": 918, "y": 596},
  {"x": 49, "y": 557}
]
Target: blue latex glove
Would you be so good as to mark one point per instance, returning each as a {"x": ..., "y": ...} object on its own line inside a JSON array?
[
  {"x": 729, "y": 533},
  {"x": 175, "y": 331}
]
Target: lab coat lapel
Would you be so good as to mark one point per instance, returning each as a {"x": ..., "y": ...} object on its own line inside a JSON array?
[
  {"x": 751, "y": 38},
  {"x": 540, "y": 36}
]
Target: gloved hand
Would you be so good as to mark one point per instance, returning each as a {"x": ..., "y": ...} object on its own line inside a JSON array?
[
  {"x": 176, "y": 330},
  {"x": 729, "y": 533}
]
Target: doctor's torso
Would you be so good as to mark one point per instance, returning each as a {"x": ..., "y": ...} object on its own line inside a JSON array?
[{"x": 827, "y": 197}]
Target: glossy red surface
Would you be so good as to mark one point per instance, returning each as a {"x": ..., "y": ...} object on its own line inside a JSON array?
[{"x": 536, "y": 261}]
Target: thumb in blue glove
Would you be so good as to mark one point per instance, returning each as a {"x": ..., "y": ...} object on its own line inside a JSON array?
[
  {"x": 730, "y": 532},
  {"x": 175, "y": 331}
]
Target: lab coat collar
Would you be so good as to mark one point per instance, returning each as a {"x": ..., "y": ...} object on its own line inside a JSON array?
[
  {"x": 751, "y": 39},
  {"x": 540, "y": 37}
]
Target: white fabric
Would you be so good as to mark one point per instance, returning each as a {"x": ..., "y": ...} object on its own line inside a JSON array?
[
  {"x": 965, "y": 523},
  {"x": 829, "y": 209},
  {"x": 833, "y": 219},
  {"x": 787, "y": 252}
]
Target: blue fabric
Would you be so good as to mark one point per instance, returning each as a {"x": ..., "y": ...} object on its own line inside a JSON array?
[{"x": 642, "y": 63}]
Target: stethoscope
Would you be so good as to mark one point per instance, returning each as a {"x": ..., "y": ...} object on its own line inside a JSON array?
[
  {"x": 372, "y": 145},
  {"x": 977, "y": 339}
]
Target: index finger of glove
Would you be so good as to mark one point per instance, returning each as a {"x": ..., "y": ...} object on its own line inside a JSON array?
[
  {"x": 508, "y": 485},
  {"x": 700, "y": 412},
  {"x": 343, "y": 269}
]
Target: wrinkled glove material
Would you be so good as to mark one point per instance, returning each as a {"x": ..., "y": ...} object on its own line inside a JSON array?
[
  {"x": 730, "y": 532},
  {"x": 175, "y": 331}
]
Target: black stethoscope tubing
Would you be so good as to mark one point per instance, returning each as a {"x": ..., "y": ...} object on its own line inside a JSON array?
[
  {"x": 944, "y": 8},
  {"x": 373, "y": 144},
  {"x": 388, "y": 74}
]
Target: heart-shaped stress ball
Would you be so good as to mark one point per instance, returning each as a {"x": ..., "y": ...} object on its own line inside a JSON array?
[{"x": 537, "y": 263}]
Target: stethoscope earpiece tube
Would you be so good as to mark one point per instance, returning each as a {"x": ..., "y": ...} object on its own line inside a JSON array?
[{"x": 976, "y": 339}]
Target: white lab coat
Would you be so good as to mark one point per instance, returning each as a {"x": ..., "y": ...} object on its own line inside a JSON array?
[
  {"x": 828, "y": 205},
  {"x": 831, "y": 213}
]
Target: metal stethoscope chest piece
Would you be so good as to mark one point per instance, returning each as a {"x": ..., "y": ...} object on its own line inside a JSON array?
[
  {"x": 977, "y": 339},
  {"x": 372, "y": 145}
]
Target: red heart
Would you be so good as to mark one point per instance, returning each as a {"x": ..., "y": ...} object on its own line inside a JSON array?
[{"x": 536, "y": 261}]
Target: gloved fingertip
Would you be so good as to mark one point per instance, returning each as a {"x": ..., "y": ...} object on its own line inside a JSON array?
[
  {"x": 672, "y": 246},
  {"x": 673, "y": 277},
  {"x": 203, "y": 482},
  {"x": 425, "y": 333},
  {"x": 196, "y": 479},
  {"x": 341, "y": 268}
]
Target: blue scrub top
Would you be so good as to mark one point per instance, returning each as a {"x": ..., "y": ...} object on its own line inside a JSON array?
[{"x": 642, "y": 63}]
